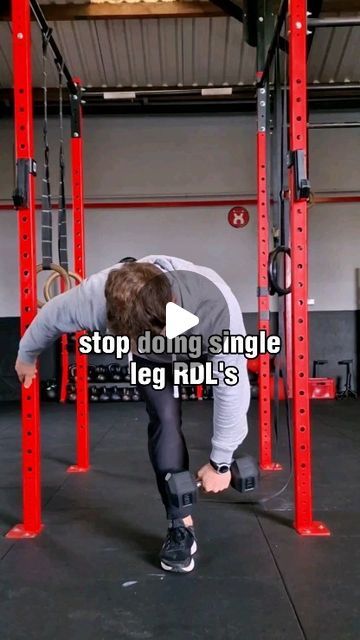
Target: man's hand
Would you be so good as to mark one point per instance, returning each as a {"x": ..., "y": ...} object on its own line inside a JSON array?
[
  {"x": 26, "y": 372},
  {"x": 211, "y": 481}
]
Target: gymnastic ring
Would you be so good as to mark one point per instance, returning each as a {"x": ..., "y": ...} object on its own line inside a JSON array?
[
  {"x": 51, "y": 279},
  {"x": 311, "y": 200},
  {"x": 274, "y": 286},
  {"x": 59, "y": 272}
]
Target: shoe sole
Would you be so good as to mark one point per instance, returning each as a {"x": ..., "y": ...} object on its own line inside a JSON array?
[{"x": 181, "y": 568}]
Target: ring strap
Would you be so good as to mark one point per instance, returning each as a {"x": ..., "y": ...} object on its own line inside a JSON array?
[
  {"x": 46, "y": 214},
  {"x": 62, "y": 218}
]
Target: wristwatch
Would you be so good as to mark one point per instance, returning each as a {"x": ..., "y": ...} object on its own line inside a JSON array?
[{"x": 223, "y": 467}]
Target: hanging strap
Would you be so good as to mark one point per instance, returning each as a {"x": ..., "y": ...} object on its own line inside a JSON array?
[
  {"x": 62, "y": 219},
  {"x": 46, "y": 214},
  {"x": 282, "y": 241}
]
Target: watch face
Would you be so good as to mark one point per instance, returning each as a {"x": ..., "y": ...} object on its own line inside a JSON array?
[{"x": 223, "y": 468}]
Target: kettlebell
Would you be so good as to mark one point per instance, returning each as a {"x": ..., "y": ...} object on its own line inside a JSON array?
[
  {"x": 104, "y": 396},
  {"x": 115, "y": 372},
  {"x": 115, "y": 394},
  {"x": 94, "y": 394}
]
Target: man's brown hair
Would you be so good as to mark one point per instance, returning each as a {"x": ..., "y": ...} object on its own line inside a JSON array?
[{"x": 136, "y": 297}]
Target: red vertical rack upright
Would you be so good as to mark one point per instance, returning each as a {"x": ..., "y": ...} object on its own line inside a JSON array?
[
  {"x": 24, "y": 150},
  {"x": 82, "y": 400},
  {"x": 304, "y": 523}
]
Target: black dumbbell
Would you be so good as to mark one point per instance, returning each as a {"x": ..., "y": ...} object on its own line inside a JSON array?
[
  {"x": 135, "y": 396},
  {"x": 72, "y": 372},
  {"x": 91, "y": 373},
  {"x": 183, "y": 393},
  {"x": 182, "y": 488},
  {"x": 115, "y": 394},
  {"x": 71, "y": 343},
  {"x": 254, "y": 391},
  {"x": 192, "y": 394},
  {"x": 104, "y": 395},
  {"x": 94, "y": 394},
  {"x": 71, "y": 393},
  {"x": 100, "y": 373},
  {"x": 126, "y": 395},
  {"x": 114, "y": 372},
  {"x": 50, "y": 390}
]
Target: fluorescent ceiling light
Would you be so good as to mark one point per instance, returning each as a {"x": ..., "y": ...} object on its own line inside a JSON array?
[
  {"x": 119, "y": 95},
  {"x": 213, "y": 91}
]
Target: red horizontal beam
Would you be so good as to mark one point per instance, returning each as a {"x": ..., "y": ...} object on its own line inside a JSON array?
[
  {"x": 166, "y": 204},
  {"x": 153, "y": 205}
]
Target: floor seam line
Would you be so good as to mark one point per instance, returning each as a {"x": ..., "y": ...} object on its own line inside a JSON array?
[
  {"x": 66, "y": 478},
  {"x": 282, "y": 580}
]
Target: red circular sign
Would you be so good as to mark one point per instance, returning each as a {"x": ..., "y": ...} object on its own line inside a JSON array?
[{"x": 238, "y": 217}]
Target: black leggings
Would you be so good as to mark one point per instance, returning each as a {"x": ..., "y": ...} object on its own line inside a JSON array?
[{"x": 166, "y": 443}]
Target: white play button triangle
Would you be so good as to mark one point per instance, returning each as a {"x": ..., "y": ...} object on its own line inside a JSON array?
[{"x": 178, "y": 320}]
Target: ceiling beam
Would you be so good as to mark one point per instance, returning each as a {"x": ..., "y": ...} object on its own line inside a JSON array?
[{"x": 126, "y": 10}]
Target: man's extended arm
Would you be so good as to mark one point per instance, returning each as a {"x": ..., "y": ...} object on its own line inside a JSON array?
[{"x": 83, "y": 307}]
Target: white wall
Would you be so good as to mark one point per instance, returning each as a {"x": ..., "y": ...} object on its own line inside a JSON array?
[{"x": 195, "y": 156}]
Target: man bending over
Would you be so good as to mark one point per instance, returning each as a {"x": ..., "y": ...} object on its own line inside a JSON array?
[{"x": 129, "y": 299}]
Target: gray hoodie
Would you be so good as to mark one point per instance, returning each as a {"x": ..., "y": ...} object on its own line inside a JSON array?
[{"x": 84, "y": 307}]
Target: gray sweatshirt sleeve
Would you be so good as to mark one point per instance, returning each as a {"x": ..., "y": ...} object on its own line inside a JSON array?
[
  {"x": 83, "y": 307},
  {"x": 230, "y": 409}
]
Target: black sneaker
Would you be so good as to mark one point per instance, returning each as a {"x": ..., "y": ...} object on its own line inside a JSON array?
[{"x": 178, "y": 548}]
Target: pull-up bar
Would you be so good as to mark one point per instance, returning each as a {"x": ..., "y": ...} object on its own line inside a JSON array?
[{"x": 352, "y": 21}]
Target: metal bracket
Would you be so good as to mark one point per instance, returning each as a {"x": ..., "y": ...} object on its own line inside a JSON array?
[
  {"x": 262, "y": 291},
  {"x": 75, "y": 112},
  {"x": 24, "y": 168},
  {"x": 262, "y": 98},
  {"x": 296, "y": 159}
]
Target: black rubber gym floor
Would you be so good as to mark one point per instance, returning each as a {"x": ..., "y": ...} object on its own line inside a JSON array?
[{"x": 93, "y": 573}]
